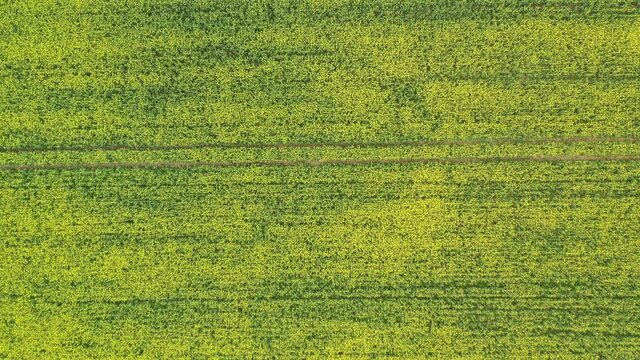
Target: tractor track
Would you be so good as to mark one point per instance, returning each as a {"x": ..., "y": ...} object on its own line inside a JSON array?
[
  {"x": 324, "y": 162},
  {"x": 468, "y": 142}
]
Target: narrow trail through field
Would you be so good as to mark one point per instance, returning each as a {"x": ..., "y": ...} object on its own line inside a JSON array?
[
  {"x": 445, "y": 160},
  {"x": 276, "y": 298},
  {"x": 460, "y": 142}
]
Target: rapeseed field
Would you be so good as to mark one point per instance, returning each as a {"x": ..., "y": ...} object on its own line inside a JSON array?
[{"x": 319, "y": 179}]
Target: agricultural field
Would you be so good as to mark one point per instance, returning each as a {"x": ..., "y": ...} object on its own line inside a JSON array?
[{"x": 319, "y": 179}]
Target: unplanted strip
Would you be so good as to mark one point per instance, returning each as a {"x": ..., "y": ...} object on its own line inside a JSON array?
[
  {"x": 455, "y": 142},
  {"x": 452, "y": 160}
]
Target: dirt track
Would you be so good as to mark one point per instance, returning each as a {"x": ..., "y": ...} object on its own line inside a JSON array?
[
  {"x": 444, "y": 160},
  {"x": 570, "y": 140}
]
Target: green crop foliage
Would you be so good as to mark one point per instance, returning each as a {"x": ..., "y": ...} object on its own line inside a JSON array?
[{"x": 341, "y": 179}]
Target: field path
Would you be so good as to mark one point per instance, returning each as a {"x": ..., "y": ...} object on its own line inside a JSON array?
[
  {"x": 442, "y": 160},
  {"x": 457, "y": 142}
]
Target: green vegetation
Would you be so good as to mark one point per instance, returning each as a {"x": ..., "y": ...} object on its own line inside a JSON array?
[{"x": 319, "y": 179}]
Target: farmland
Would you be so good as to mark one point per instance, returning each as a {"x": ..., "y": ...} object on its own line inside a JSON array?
[{"x": 319, "y": 179}]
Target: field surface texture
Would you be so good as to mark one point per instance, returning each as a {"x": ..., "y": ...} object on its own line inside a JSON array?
[{"x": 320, "y": 179}]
